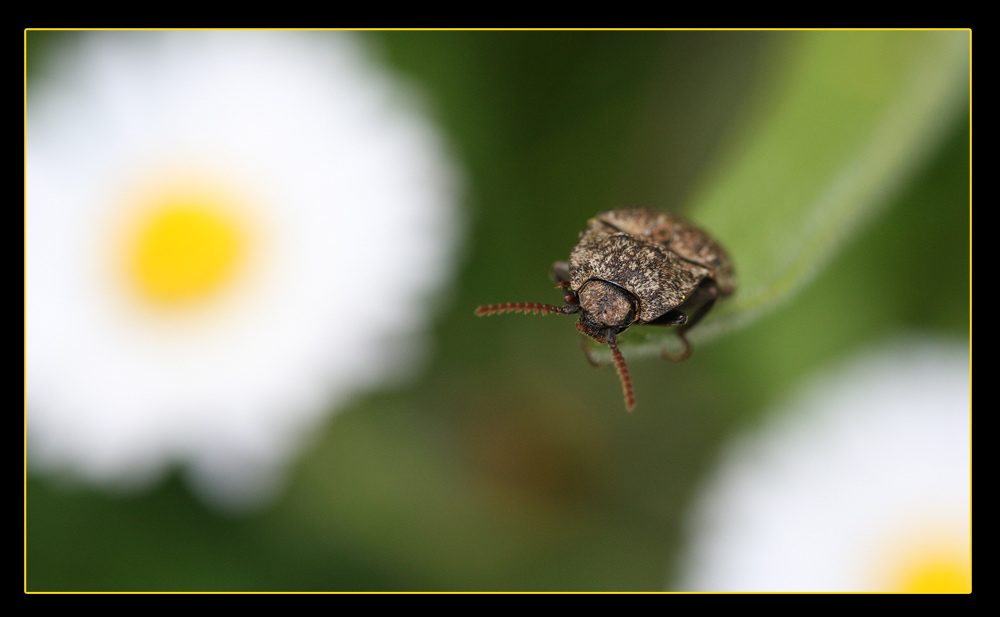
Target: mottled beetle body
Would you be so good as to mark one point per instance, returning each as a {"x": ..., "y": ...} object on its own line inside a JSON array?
[{"x": 637, "y": 267}]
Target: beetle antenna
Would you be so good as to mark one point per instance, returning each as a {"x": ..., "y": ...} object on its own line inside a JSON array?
[
  {"x": 622, "y": 372},
  {"x": 525, "y": 307}
]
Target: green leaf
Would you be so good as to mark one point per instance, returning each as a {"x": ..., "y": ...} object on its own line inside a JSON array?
[{"x": 849, "y": 119}]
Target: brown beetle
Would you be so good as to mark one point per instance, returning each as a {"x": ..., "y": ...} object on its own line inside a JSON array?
[{"x": 636, "y": 267}]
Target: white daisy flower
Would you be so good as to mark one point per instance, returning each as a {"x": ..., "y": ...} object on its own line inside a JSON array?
[
  {"x": 227, "y": 234},
  {"x": 862, "y": 485}
]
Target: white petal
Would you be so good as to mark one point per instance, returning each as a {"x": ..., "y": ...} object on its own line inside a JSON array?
[
  {"x": 868, "y": 456},
  {"x": 356, "y": 200}
]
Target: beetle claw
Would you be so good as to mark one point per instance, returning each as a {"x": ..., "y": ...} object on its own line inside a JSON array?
[{"x": 677, "y": 357}]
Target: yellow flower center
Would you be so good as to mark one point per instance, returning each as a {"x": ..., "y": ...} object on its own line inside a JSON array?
[
  {"x": 935, "y": 571},
  {"x": 929, "y": 565},
  {"x": 186, "y": 245}
]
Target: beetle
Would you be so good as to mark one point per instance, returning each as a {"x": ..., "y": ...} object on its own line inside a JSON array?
[{"x": 636, "y": 267}]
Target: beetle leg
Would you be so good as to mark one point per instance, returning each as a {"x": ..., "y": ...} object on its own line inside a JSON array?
[
  {"x": 670, "y": 318},
  {"x": 706, "y": 295},
  {"x": 587, "y": 352},
  {"x": 560, "y": 272},
  {"x": 677, "y": 357}
]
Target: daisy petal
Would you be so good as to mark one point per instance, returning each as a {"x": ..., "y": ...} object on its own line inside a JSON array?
[
  {"x": 862, "y": 484},
  {"x": 227, "y": 235}
]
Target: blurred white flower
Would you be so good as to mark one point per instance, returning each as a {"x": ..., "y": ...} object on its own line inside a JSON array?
[
  {"x": 227, "y": 234},
  {"x": 862, "y": 485}
]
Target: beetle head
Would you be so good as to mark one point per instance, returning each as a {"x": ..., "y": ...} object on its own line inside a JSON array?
[{"x": 605, "y": 309}]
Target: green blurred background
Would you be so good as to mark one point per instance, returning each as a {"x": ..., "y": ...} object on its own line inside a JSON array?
[{"x": 510, "y": 463}]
